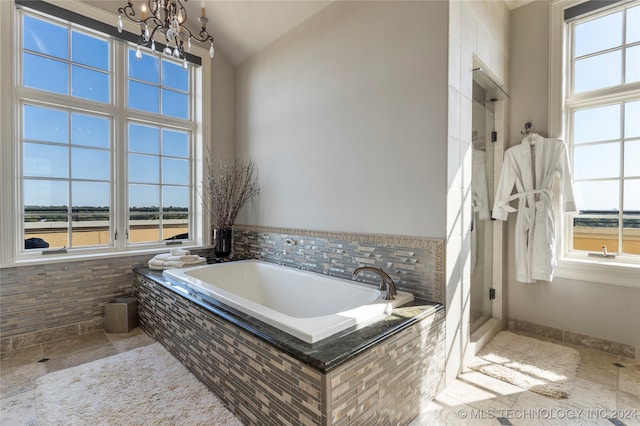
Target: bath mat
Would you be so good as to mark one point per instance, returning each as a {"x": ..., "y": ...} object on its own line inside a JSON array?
[
  {"x": 144, "y": 386},
  {"x": 531, "y": 364}
]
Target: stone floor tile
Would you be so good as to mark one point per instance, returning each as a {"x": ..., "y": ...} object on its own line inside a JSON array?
[{"x": 74, "y": 344}]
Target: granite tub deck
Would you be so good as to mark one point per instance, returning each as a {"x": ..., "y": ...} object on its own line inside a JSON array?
[{"x": 375, "y": 374}]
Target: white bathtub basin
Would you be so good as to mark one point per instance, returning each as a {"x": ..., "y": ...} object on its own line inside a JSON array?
[{"x": 306, "y": 305}]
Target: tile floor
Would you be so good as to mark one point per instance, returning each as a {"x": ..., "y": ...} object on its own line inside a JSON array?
[{"x": 603, "y": 393}]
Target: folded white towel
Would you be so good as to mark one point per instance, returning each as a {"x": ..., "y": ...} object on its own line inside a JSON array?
[
  {"x": 176, "y": 263},
  {"x": 169, "y": 256},
  {"x": 179, "y": 252}
]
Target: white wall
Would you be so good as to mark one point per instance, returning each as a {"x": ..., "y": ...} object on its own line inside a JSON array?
[
  {"x": 345, "y": 117},
  {"x": 594, "y": 309},
  {"x": 222, "y": 120}
]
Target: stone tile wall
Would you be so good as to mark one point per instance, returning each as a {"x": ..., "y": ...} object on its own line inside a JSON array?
[
  {"x": 51, "y": 301},
  {"x": 415, "y": 264},
  {"x": 263, "y": 386},
  {"x": 388, "y": 384}
]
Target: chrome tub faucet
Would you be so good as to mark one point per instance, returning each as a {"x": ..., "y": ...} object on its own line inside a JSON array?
[{"x": 387, "y": 285}]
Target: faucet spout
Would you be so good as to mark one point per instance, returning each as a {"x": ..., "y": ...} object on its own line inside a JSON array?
[{"x": 387, "y": 285}]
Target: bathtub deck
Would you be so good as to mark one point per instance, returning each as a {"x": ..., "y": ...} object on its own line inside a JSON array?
[{"x": 377, "y": 373}]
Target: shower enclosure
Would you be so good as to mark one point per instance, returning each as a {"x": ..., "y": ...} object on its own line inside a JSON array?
[{"x": 486, "y": 247}]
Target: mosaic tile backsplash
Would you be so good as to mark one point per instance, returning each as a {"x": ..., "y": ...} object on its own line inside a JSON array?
[{"x": 415, "y": 264}]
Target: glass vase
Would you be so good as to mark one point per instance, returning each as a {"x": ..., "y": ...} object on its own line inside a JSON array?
[{"x": 222, "y": 239}]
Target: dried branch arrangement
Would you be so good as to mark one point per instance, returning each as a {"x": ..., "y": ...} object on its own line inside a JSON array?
[{"x": 228, "y": 188}]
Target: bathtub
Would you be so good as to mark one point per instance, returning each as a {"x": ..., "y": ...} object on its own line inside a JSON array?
[{"x": 306, "y": 305}]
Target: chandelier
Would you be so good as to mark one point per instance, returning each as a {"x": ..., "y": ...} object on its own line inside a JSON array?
[{"x": 167, "y": 17}]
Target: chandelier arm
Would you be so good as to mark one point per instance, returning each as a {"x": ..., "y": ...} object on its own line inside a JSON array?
[
  {"x": 202, "y": 36},
  {"x": 128, "y": 11}
]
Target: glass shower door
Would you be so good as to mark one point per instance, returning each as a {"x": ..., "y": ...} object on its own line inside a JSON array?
[{"x": 486, "y": 96}]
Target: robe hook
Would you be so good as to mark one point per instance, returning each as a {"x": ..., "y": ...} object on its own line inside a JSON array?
[{"x": 527, "y": 128}]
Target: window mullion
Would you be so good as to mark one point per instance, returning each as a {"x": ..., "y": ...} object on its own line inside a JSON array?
[{"x": 119, "y": 145}]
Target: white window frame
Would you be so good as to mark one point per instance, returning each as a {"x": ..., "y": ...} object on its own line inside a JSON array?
[
  {"x": 11, "y": 96},
  {"x": 623, "y": 270}
]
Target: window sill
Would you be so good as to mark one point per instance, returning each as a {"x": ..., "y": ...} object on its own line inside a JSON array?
[
  {"x": 37, "y": 259},
  {"x": 599, "y": 271}
]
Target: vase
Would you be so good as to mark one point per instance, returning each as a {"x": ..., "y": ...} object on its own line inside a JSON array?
[{"x": 222, "y": 239}]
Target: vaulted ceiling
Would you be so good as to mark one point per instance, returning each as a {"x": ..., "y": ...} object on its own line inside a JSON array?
[{"x": 241, "y": 27}]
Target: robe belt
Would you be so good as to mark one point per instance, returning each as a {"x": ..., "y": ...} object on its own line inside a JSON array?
[{"x": 528, "y": 214}]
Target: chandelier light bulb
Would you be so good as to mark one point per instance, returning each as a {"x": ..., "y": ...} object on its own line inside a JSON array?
[
  {"x": 176, "y": 53},
  {"x": 211, "y": 51},
  {"x": 185, "y": 66},
  {"x": 138, "y": 53},
  {"x": 119, "y": 23},
  {"x": 153, "y": 47},
  {"x": 167, "y": 51}
]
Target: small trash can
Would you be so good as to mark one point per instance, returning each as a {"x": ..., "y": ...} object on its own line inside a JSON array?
[{"x": 121, "y": 315}]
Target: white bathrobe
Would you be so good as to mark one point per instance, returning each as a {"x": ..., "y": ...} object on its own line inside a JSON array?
[{"x": 533, "y": 167}]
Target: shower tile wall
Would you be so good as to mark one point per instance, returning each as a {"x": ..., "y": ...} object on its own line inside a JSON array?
[{"x": 415, "y": 264}]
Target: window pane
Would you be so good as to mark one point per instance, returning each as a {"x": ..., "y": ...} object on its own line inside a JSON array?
[
  {"x": 631, "y": 195},
  {"x": 89, "y": 84},
  {"x": 145, "y": 69},
  {"x": 633, "y": 24},
  {"x": 90, "y": 130},
  {"x": 89, "y": 233},
  {"x": 599, "y": 196},
  {"x": 175, "y": 104},
  {"x": 175, "y": 199},
  {"x": 47, "y": 231},
  {"x": 42, "y": 160},
  {"x": 90, "y": 164},
  {"x": 143, "y": 97},
  {"x": 45, "y": 74},
  {"x": 46, "y": 193},
  {"x": 175, "y": 144},
  {"x": 176, "y": 229},
  {"x": 143, "y": 197},
  {"x": 631, "y": 236},
  {"x": 597, "y": 124},
  {"x": 44, "y": 124},
  {"x": 597, "y": 72},
  {"x": 90, "y": 219},
  {"x": 632, "y": 159},
  {"x": 597, "y": 161},
  {"x": 88, "y": 50},
  {"x": 175, "y": 222},
  {"x": 592, "y": 234},
  {"x": 144, "y": 139},
  {"x": 144, "y": 214},
  {"x": 174, "y": 76},
  {"x": 632, "y": 119},
  {"x": 632, "y": 66},
  {"x": 599, "y": 34},
  {"x": 144, "y": 168},
  {"x": 91, "y": 199},
  {"x": 175, "y": 171},
  {"x": 45, "y": 37}
]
